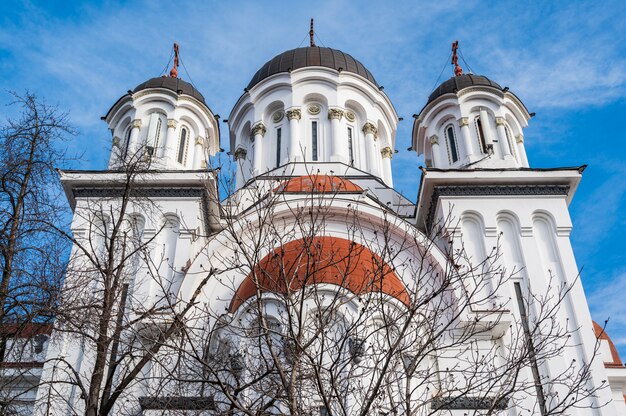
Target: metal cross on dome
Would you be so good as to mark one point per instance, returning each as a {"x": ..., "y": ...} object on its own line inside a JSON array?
[
  {"x": 312, "y": 34},
  {"x": 174, "y": 71},
  {"x": 458, "y": 71}
]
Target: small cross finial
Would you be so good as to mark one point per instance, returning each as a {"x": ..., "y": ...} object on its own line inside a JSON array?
[
  {"x": 174, "y": 71},
  {"x": 312, "y": 34},
  {"x": 458, "y": 71}
]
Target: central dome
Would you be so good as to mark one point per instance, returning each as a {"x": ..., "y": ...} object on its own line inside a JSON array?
[{"x": 311, "y": 56}]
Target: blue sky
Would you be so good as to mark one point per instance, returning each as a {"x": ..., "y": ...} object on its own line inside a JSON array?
[{"x": 565, "y": 60}]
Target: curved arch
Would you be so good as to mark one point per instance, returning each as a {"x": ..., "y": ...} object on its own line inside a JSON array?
[{"x": 311, "y": 261}]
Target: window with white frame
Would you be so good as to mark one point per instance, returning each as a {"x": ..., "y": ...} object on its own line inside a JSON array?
[
  {"x": 351, "y": 145},
  {"x": 480, "y": 132},
  {"x": 182, "y": 146},
  {"x": 314, "y": 141},
  {"x": 509, "y": 140},
  {"x": 127, "y": 142},
  {"x": 453, "y": 150},
  {"x": 278, "y": 145}
]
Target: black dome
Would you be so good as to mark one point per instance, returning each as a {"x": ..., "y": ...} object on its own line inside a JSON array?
[
  {"x": 456, "y": 84},
  {"x": 174, "y": 84},
  {"x": 311, "y": 56}
]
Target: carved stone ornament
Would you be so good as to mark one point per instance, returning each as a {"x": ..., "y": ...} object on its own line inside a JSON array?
[
  {"x": 116, "y": 141},
  {"x": 314, "y": 109},
  {"x": 200, "y": 140},
  {"x": 335, "y": 113},
  {"x": 386, "y": 152},
  {"x": 294, "y": 114},
  {"x": 463, "y": 121},
  {"x": 240, "y": 153},
  {"x": 499, "y": 121},
  {"x": 171, "y": 123},
  {"x": 277, "y": 116},
  {"x": 259, "y": 129},
  {"x": 434, "y": 139},
  {"x": 369, "y": 128},
  {"x": 350, "y": 116},
  {"x": 519, "y": 139},
  {"x": 137, "y": 123}
]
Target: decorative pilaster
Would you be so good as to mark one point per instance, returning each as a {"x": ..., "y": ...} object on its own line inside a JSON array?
[
  {"x": 339, "y": 143},
  {"x": 521, "y": 150},
  {"x": 387, "y": 155},
  {"x": 169, "y": 149},
  {"x": 371, "y": 132},
  {"x": 504, "y": 142},
  {"x": 198, "y": 153},
  {"x": 294, "y": 152},
  {"x": 465, "y": 137},
  {"x": 258, "y": 131},
  {"x": 434, "y": 150},
  {"x": 133, "y": 146}
]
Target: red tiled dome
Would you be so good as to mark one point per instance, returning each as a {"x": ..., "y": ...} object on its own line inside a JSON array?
[
  {"x": 602, "y": 335},
  {"x": 329, "y": 260},
  {"x": 318, "y": 184}
]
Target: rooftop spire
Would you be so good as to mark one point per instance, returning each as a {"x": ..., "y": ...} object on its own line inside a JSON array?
[
  {"x": 312, "y": 34},
  {"x": 174, "y": 71},
  {"x": 458, "y": 71}
]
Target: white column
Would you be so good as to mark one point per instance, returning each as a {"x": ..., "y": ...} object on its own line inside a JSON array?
[
  {"x": 434, "y": 150},
  {"x": 387, "y": 154},
  {"x": 370, "y": 146},
  {"x": 295, "y": 152},
  {"x": 258, "y": 131},
  {"x": 169, "y": 148},
  {"x": 504, "y": 141},
  {"x": 133, "y": 146},
  {"x": 339, "y": 144},
  {"x": 117, "y": 152},
  {"x": 466, "y": 138},
  {"x": 198, "y": 153},
  {"x": 519, "y": 140},
  {"x": 240, "y": 161}
]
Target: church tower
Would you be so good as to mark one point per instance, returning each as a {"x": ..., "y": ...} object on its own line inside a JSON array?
[{"x": 479, "y": 191}]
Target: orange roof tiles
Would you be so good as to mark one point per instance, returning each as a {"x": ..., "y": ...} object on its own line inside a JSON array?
[
  {"x": 318, "y": 184},
  {"x": 601, "y": 334},
  {"x": 331, "y": 260}
]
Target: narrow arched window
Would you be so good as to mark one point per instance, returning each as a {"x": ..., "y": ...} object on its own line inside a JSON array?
[
  {"x": 481, "y": 135},
  {"x": 127, "y": 142},
  {"x": 509, "y": 140},
  {"x": 314, "y": 141},
  {"x": 278, "y": 139},
  {"x": 182, "y": 145},
  {"x": 350, "y": 146},
  {"x": 453, "y": 151}
]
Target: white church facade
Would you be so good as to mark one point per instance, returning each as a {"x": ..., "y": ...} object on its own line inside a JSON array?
[{"x": 315, "y": 288}]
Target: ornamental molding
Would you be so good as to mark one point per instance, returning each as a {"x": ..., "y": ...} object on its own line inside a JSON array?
[
  {"x": 499, "y": 121},
  {"x": 335, "y": 113},
  {"x": 369, "y": 128},
  {"x": 350, "y": 116},
  {"x": 491, "y": 90},
  {"x": 519, "y": 138},
  {"x": 294, "y": 114},
  {"x": 463, "y": 121},
  {"x": 386, "y": 152},
  {"x": 200, "y": 140},
  {"x": 314, "y": 109},
  {"x": 434, "y": 139},
  {"x": 259, "y": 129},
  {"x": 171, "y": 123},
  {"x": 240, "y": 153},
  {"x": 491, "y": 190},
  {"x": 469, "y": 403},
  {"x": 116, "y": 141},
  {"x": 278, "y": 116},
  {"x": 137, "y": 123}
]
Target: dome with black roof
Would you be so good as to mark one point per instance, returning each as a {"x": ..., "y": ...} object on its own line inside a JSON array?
[
  {"x": 458, "y": 83},
  {"x": 173, "y": 84},
  {"x": 308, "y": 57}
]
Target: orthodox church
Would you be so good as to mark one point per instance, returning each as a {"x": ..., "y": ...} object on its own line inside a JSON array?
[{"x": 316, "y": 288}]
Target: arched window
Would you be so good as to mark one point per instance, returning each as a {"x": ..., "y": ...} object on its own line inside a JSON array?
[
  {"x": 127, "y": 142},
  {"x": 509, "y": 140},
  {"x": 481, "y": 135},
  {"x": 453, "y": 152},
  {"x": 278, "y": 139},
  {"x": 182, "y": 145},
  {"x": 314, "y": 143},
  {"x": 350, "y": 146}
]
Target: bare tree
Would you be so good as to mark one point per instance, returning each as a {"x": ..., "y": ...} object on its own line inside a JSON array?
[{"x": 32, "y": 254}]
